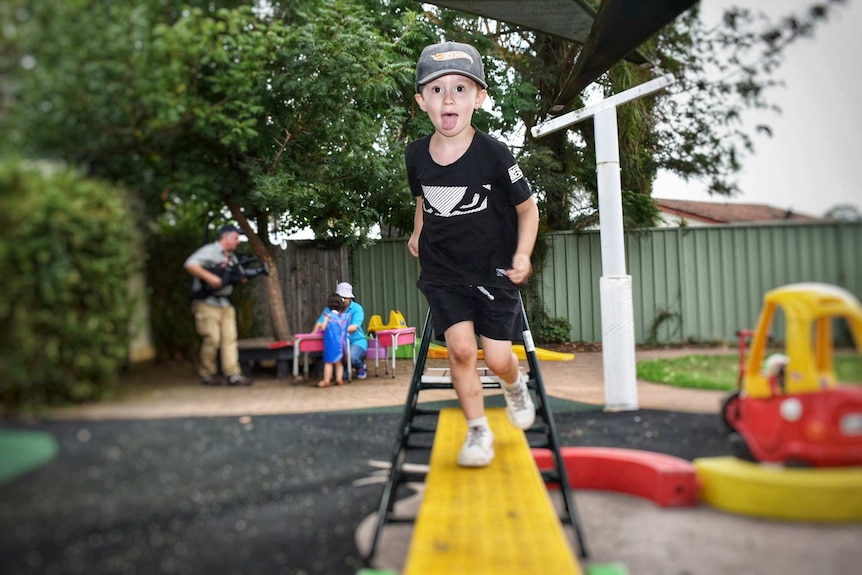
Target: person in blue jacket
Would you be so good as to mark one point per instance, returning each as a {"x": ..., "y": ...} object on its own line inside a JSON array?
[{"x": 355, "y": 332}]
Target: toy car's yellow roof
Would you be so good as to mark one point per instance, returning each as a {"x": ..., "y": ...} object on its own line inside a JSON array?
[{"x": 806, "y": 301}]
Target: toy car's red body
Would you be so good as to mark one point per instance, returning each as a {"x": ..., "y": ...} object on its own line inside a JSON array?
[{"x": 799, "y": 414}]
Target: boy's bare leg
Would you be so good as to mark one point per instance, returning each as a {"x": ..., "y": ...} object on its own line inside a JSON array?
[
  {"x": 478, "y": 449},
  {"x": 462, "y": 348},
  {"x": 339, "y": 373},
  {"x": 519, "y": 405},
  {"x": 500, "y": 359}
]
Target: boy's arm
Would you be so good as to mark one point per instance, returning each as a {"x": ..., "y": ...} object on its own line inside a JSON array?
[
  {"x": 528, "y": 229},
  {"x": 413, "y": 243}
]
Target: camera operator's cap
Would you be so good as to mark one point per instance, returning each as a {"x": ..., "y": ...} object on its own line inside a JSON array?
[
  {"x": 230, "y": 228},
  {"x": 344, "y": 289},
  {"x": 449, "y": 58}
]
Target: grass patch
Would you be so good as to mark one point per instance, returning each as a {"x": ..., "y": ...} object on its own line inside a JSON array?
[{"x": 720, "y": 372}]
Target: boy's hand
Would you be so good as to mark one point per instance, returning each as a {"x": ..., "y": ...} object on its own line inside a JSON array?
[
  {"x": 413, "y": 245},
  {"x": 521, "y": 269}
]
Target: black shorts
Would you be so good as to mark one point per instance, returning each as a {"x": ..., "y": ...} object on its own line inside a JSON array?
[{"x": 494, "y": 311}]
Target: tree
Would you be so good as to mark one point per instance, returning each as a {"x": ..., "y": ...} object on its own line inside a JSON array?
[
  {"x": 295, "y": 115},
  {"x": 287, "y": 120},
  {"x": 844, "y": 213},
  {"x": 692, "y": 130}
]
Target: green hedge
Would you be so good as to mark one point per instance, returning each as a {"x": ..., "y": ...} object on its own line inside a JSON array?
[
  {"x": 173, "y": 326},
  {"x": 65, "y": 255}
]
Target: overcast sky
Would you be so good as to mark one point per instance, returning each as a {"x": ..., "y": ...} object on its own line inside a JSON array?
[{"x": 814, "y": 159}]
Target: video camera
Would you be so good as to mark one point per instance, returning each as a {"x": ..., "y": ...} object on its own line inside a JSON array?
[
  {"x": 248, "y": 272},
  {"x": 232, "y": 275}
]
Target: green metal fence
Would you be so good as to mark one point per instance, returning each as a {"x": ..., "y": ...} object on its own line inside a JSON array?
[{"x": 688, "y": 284}]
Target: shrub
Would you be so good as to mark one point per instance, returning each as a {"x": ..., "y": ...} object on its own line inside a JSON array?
[
  {"x": 553, "y": 330},
  {"x": 173, "y": 325},
  {"x": 64, "y": 305}
]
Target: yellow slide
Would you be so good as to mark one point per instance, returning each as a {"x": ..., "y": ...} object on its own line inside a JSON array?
[{"x": 436, "y": 351}]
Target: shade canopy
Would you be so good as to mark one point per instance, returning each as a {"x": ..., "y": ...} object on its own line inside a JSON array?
[{"x": 611, "y": 34}]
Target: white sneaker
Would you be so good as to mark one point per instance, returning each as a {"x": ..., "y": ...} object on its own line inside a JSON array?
[
  {"x": 478, "y": 450},
  {"x": 519, "y": 404}
]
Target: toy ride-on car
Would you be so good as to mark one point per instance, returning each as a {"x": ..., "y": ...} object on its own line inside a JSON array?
[{"x": 794, "y": 411}]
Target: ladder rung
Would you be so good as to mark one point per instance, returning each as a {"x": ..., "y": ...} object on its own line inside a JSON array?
[{"x": 444, "y": 375}]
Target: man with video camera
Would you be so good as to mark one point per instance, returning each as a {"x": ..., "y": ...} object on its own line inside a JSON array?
[{"x": 216, "y": 270}]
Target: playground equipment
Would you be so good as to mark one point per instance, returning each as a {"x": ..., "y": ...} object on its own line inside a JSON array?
[
  {"x": 436, "y": 351},
  {"x": 519, "y": 527},
  {"x": 794, "y": 411},
  {"x": 665, "y": 480},
  {"x": 436, "y": 545},
  {"x": 385, "y": 339},
  {"x": 816, "y": 494},
  {"x": 396, "y": 321}
]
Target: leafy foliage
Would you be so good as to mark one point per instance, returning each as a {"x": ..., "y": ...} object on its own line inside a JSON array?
[
  {"x": 66, "y": 252},
  {"x": 844, "y": 213},
  {"x": 552, "y": 329},
  {"x": 291, "y": 118},
  {"x": 297, "y": 116},
  {"x": 694, "y": 129}
]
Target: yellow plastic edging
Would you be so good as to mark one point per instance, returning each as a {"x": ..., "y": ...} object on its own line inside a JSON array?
[{"x": 810, "y": 494}]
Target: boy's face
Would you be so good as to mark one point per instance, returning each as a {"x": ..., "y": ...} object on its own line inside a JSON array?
[{"x": 449, "y": 102}]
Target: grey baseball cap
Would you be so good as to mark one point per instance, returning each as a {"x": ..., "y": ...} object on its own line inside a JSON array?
[{"x": 449, "y": 58}]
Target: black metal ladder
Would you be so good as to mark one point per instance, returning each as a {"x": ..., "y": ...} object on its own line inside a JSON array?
[{"x": 416, "y": 433}]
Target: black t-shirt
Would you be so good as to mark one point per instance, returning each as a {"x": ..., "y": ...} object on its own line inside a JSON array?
[{"x": 470, "y": 225}]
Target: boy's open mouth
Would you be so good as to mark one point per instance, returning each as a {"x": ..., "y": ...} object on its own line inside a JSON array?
[{"x": 449, "y": 121}]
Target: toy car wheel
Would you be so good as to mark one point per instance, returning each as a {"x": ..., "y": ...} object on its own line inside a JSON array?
[
  {"x": 740, "y": 448},
  {"x": 730, "y": 411}
]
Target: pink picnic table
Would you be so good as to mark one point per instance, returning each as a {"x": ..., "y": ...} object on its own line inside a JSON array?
[{"x": 386, "y": 345}]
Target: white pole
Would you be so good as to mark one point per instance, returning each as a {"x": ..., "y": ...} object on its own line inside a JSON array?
[
  {"x": 618, "y": 341},
  {"x": 618, "y": 347},
  {"x": 610, "y": 193}
]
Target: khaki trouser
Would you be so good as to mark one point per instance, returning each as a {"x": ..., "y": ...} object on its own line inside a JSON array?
[{"x": 217, "y": 326}]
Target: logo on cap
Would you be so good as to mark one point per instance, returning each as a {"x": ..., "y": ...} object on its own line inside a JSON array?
[{"x": 451, "y": 55}]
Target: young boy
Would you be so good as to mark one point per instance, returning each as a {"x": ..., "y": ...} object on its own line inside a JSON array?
[{"x": 474, "y": 231}]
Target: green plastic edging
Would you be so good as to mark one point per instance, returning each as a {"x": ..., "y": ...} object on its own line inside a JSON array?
[
  {"x": 24, "y": 451},
  {"x": 607, "y": 569}
]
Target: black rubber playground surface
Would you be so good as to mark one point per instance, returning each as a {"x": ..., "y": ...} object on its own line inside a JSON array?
[{"x": 263, "y": 494}]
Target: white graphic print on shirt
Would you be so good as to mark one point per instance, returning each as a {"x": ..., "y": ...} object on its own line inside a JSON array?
[
  {"x": 515, "y": 173},
  {"x": 450, "y": 201}
]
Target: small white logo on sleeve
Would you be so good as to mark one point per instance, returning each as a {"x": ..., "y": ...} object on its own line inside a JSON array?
[{"x": 515, "y": 173}]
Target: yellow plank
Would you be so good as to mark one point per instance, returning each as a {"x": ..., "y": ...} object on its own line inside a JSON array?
[{"x": 496, "y": 520}]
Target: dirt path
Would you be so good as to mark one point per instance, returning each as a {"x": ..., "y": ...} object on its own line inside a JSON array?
[{"x": 174, "y": 391}]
